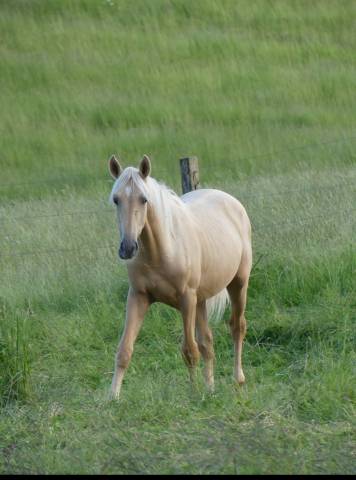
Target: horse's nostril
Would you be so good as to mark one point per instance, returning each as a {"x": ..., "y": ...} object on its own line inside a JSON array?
[
  {"x": 127, "y": 249},
  {"x": 121, "y": 251}
]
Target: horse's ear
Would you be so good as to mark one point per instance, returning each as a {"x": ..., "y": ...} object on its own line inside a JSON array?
[
  {"x": 145, "y": 166},
  {"x": 115, "y": 168}
]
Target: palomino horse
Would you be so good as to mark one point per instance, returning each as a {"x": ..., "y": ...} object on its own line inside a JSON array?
[{"x": 187, "y": 252}]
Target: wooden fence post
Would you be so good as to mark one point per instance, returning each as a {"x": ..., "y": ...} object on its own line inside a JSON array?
[{"x": 189, "y": 170}]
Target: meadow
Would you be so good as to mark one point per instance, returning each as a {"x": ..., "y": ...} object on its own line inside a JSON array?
[{"x": 263, "y": 93}]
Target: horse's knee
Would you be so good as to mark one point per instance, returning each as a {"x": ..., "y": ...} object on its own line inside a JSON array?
[
  {"x": 205, "y": 345},
  {"x": 242, "y": 326},
  {"x": 123, "y": 357},
  {"x": 190, "y": 354},
  {"x": 207, "y": 351},
  {"x": 238, "y": 326}
]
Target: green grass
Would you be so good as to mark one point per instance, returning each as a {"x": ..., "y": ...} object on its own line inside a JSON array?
[{"x": 263, "y": 93}]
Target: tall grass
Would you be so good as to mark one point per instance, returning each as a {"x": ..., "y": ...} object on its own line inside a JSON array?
[{"x": 15, "y": 358}]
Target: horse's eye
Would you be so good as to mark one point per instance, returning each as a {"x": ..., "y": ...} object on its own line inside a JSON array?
[
  {"x": 115, "y": 199},
  {"x": 143, "y": 199}
]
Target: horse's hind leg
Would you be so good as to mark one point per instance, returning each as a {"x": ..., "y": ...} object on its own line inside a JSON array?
[
  {"x": 238, "y": 293},
  {"x": 190, "y": 349},
  {"x": 205, "y": 344}
]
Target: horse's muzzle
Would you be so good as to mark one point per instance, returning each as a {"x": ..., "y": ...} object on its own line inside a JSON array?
[{"x": 128, "y": 249}]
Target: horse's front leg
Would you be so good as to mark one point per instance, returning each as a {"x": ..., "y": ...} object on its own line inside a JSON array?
[
  {"x": 136, "y": 307},
  {"x": 190, "y": 349}
]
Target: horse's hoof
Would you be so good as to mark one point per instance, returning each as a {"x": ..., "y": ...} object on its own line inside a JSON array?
[
  {"x": 240, "y": 377},
  {"x": 113, "y": 396},
  {"x": 210, "y": 388}
]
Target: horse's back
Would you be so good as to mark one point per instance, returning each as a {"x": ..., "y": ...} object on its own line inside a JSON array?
[
  {"x": 215, "y": 207},
  {"x": 199, "y": 198}
]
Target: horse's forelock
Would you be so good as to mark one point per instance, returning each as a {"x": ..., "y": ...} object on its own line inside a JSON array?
[{"x": 130, "y": 175}]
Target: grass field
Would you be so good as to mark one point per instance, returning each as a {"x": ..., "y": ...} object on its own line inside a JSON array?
[{"x": 263, "y": 93}]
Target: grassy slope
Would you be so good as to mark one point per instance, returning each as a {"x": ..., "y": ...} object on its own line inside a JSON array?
[
  {"x": 233, "y": 80},
  {"x": 229, "y": 82}
]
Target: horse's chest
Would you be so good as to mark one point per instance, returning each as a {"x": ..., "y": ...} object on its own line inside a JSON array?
[{"x": 161, "y": 285}]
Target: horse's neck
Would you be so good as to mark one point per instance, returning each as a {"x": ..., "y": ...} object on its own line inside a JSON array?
[{"x": 155, "y": 239}]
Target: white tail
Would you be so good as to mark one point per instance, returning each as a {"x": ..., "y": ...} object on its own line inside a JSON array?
[{"x": 216, "y": 305}]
